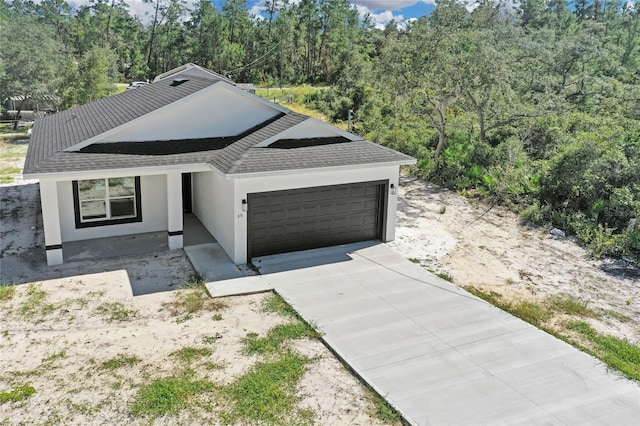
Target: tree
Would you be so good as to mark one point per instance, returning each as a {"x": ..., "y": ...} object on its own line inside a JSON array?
[
  {"x": 430, "y": 65},
  {"x": 97, "y": 73},
  {"x": 31, "y": 61}
]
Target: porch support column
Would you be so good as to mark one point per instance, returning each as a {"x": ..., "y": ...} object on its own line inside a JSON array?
[
  {"x": 174, "y": 210},
  {"x": 51, "y": 221}
]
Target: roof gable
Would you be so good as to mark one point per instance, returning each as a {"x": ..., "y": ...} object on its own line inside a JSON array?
[
  {"x": 311, "y": 128},
  {"x": 192, "y": 70},
  {"x": 217, "y": 111}
]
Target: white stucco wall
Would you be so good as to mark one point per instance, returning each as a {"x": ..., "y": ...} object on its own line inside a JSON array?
[
  {"x": 247, "y": 185},
  {"x": 216, "y": 111},
  {"x": 213, "y": 205},
  {"x": 153, "y": 190}
]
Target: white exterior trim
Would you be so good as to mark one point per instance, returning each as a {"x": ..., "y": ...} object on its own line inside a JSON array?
[
  {"x": 99, "y": 174},
  {"x": 319, "y": 169},
  {"x": 294, "y": 129},
  {"x": 174, "y": 210},
  {"x": 51, "y": 221}
]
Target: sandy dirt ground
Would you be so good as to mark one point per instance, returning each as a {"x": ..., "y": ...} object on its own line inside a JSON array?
[
  {"x": 59, "y": 344},
  {"x": 493, "y": 251}
]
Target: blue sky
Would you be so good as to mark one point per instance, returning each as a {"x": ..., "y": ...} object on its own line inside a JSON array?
[{"x": 382, "y": 11}]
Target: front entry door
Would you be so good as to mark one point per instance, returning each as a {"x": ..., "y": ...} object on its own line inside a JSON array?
[{"x": 186, "y": 193}]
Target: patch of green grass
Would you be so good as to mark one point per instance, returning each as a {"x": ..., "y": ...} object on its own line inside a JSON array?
[
  {"x": 35, "y": 305},
  {"x": 189, "y": 354},
  {"x": 531, "y": 312},
  {"x": 56, "y": 355},
  {"x": 168, "y": 396},
  {"x": 443, "y": 209},
  {"x": 616, "y": 315},
  {"x": 217, "y": 317},
  {"x": 193, "y": 297},
  {"x": 12, "y": 151},
  {"x": 17, "y": 394},
  {"x": 571, "y": 305},
  {"x": 383, "y": 410},
  {"x": 116, "y": 311},
  {"x": 414, "y": 260},
  {"x": 6, "y": 128},
  {"x": 444, "y": 275},
  {"x": 7, "y": 174},
  {"x": 267, "y": 393},
  {"x": 122, "y": 360},
  {"x": 275, "y": 304},
  {"x": 210, "y": 365},
  {"x": 210, "y": 340},
  {"x": 7, "y": 291},
  {"x": 274, "y": 341},
  {"x": 615, "y": 352}
]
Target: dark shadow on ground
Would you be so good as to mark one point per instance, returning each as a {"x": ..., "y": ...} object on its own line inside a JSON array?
[{"x": 308, "y": 258}]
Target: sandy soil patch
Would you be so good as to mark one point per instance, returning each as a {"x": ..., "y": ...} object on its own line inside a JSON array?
[
  {"x": 59, "y": 342},
  {"x": 493, "y": 251}
]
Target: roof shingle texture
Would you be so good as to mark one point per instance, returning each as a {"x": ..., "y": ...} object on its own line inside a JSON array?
[{"x": 52, "y": 134}]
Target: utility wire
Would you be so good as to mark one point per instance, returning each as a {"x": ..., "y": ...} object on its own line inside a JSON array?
[{"x": 254, "y": 62}]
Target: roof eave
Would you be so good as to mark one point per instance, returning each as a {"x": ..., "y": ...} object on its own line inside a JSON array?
[
  {"x": 137, "y": 171},
  {"x": 405, "y": 162}
]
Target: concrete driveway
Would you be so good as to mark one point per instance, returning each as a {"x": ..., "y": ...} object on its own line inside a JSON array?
[{"x": 438, "y": 354}]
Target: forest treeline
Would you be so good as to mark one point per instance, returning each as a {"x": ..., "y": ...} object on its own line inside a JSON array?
[{"x": 535, "y": 106}]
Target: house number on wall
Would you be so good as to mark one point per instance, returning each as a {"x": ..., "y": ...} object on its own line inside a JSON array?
[{"x": 240, "y": 215}]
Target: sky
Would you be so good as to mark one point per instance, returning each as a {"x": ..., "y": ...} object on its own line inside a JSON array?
[{"x": 382, "y": 11}]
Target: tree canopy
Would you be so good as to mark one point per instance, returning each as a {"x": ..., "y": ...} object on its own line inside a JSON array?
[{"x": 536, "y": 106}]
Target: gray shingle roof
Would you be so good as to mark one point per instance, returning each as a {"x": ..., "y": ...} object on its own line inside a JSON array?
[
  {"x": 257, "y": 160},
  {"x": 52, "y": 134},
  {"x": 56, "y": 132}
]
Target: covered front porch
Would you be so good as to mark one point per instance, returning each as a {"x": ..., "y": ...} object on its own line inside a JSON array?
[{"x": 129, "y": 245}]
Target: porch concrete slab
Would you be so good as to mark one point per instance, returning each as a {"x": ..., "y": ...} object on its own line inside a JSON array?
[
  {"x": 442, "y": 356},
  {"x": 212, "y": 263},
  {"x": 194, "y": 232},
  {"x": 122, "y": 246}
]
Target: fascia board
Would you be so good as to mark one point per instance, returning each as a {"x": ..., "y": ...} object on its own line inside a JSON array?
[
  {"x": 105, "y": 173},
  {"x": 321, "y": 169}
]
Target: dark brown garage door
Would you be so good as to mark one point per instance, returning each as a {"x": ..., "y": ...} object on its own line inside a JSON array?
[{"x": 300, "y": 219}]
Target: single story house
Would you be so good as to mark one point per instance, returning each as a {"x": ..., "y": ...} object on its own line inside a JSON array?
[{"x": 261, "y": 178}]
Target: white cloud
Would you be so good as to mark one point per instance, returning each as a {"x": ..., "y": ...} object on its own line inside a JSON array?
[
  {"x": 388, "y": 4},
  {"x": 256, "y": 10},
  {"x": 381, "y": 19},
  {"x": 144, "y": 11}
]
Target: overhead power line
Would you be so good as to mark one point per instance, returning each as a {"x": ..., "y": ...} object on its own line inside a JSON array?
[{"x": 249, "y": 65}]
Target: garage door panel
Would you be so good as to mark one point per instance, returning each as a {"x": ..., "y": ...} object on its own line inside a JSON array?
[{"x": 305, "y": 218}]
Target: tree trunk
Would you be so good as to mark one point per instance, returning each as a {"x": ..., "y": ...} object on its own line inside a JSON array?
[
  {"x": 153, "y": 33},
  {"x": 442, "y": 142},
  {"x": 15, "y": 123},
  {"x": 113, "y": 3}
]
